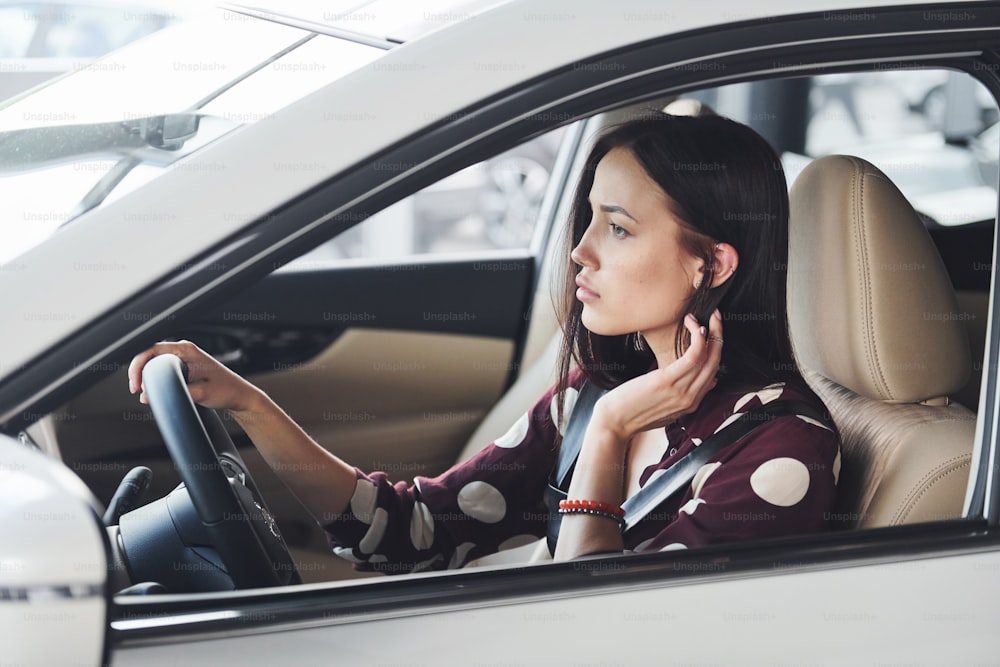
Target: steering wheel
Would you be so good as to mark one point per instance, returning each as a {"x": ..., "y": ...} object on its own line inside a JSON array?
[{"x": 225, "y": 497}]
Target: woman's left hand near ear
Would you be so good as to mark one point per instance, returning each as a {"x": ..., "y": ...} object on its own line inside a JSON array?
[{"x": 659, "y": 397}]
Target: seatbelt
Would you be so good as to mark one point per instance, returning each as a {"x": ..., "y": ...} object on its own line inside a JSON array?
[{"x": 675, "y": 477}]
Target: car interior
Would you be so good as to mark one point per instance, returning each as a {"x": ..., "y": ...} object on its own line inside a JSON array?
[{"x": 410, "y": 362}]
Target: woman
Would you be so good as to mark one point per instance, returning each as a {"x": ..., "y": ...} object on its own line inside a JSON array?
[{"x": 679, "y": 224}]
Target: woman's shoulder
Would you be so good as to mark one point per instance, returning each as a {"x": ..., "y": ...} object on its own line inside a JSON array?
[
  {"x": 743, "y": 396},
  {"x": 729, "y": 402}
]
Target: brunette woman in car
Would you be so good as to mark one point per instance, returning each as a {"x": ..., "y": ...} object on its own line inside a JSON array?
[{"x": 675, "y": 303}]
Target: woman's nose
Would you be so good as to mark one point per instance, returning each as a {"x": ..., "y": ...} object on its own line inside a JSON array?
[{"x": 582, "y": 254}]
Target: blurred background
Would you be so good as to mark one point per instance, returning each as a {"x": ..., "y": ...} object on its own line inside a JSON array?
[{"x": 41, "y": 40}]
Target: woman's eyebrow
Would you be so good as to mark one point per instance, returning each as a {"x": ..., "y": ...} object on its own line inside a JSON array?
[{"x": 611, "y": 208}]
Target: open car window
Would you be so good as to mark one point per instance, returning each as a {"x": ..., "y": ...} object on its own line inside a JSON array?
[{"x": 304, "y": 355}]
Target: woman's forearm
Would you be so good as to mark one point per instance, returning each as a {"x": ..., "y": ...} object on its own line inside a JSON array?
[
  {"x": 598, "y": 476},
  {"x": 322, "y": 482}
]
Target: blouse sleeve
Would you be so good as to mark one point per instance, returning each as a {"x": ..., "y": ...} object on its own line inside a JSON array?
[
  {"x": 781, "y": 480},
  {"x": 493, "y": 501}
]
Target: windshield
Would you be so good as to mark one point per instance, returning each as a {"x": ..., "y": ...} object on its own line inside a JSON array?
[{"x": 104, "y": 130}]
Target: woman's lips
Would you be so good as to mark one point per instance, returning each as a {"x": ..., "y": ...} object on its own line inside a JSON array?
[{"x": 584, "y": 293}]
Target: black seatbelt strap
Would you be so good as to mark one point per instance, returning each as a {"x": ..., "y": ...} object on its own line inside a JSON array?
[
  {"x": 676, "y": 476},
  {"x": 579, "y": 419}
]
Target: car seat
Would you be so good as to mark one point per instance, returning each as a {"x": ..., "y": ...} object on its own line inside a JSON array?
[{"x": 875, "y": 328}]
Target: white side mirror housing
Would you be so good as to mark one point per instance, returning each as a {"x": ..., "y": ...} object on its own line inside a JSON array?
[{"x": 54, "y": 597}]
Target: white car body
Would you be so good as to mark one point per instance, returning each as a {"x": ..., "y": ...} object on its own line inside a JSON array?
[{"x": 895, "y": 606}]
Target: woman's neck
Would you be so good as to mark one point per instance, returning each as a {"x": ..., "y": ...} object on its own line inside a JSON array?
[{"x": 662, "y": 344}]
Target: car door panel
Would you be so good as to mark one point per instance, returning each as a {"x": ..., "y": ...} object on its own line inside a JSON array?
[
  {"x": 770, "y": 609},
  {"x": 347, "y": 351},
  {"x": 367, "y": 399}
]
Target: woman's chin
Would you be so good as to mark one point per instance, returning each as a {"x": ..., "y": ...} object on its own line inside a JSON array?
[{"x": 600, "y": 327}]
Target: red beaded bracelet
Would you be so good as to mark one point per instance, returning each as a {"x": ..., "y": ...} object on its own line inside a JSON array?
[{"x": 594, "y": 505}]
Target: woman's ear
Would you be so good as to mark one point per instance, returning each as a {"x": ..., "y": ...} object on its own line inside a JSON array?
[{"x": 726, "y": 259}]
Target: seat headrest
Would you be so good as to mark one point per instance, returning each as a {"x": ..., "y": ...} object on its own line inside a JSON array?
[{"x": 870, "y": 305}]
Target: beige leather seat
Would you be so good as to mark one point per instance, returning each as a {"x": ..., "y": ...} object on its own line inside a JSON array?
[{"x": 873, "y": 322}]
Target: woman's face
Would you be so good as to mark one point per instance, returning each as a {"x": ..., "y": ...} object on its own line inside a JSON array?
[{"x": 634, "y": 274}]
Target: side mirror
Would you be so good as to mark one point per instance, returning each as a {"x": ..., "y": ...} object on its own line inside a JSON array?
[{"x": 54, "y": 596}]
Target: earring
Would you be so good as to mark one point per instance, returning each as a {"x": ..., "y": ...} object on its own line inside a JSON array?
[{"x": 638, "y": 343}]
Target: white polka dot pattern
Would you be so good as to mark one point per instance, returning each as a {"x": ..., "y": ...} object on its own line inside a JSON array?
[
  {"x": 515, "y": 435},
  {"x": 729, "y": 420},
  {"x": 369, "y": 543},
  {"x": 363, "y": 501},
  {"x": 766, "y": 395},
  {"x": 781, "y": 481},
  {"x": 421, "y": 527},
  {"x": 701, "y": 477},
  {"x": 642, "y": 546},
  {"x": 690, "y": 506},
  {"x": 461, "y": 553},
  {"x": 674, "y": 546},
  {"x": 347, "y": 554},
  {"x": 482, "y": 501},
  {"x": 427, "y": 565}
]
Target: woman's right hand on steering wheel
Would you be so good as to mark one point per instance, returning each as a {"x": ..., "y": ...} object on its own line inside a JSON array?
[
  {"x": 211, "y": 384},
  {"x": 323, "y": 483}
]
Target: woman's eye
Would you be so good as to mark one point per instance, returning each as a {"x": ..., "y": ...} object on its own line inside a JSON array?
[{"x": 618, "y": 231}]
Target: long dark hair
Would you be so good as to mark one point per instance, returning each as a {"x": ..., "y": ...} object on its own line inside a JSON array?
[{"x": 725, "y": 185}]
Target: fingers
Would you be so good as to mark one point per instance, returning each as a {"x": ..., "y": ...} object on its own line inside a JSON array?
[
  {"x": 135, "y": 370},
  {"x": 660, "y": 396},
  {"x": 701, "y": 359},
  {"x": 713, "y": 344},
  {"x": 715, "y": 326},
  {"x": 697, "y": 355},
  {"x": 182, "y": 349}
]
